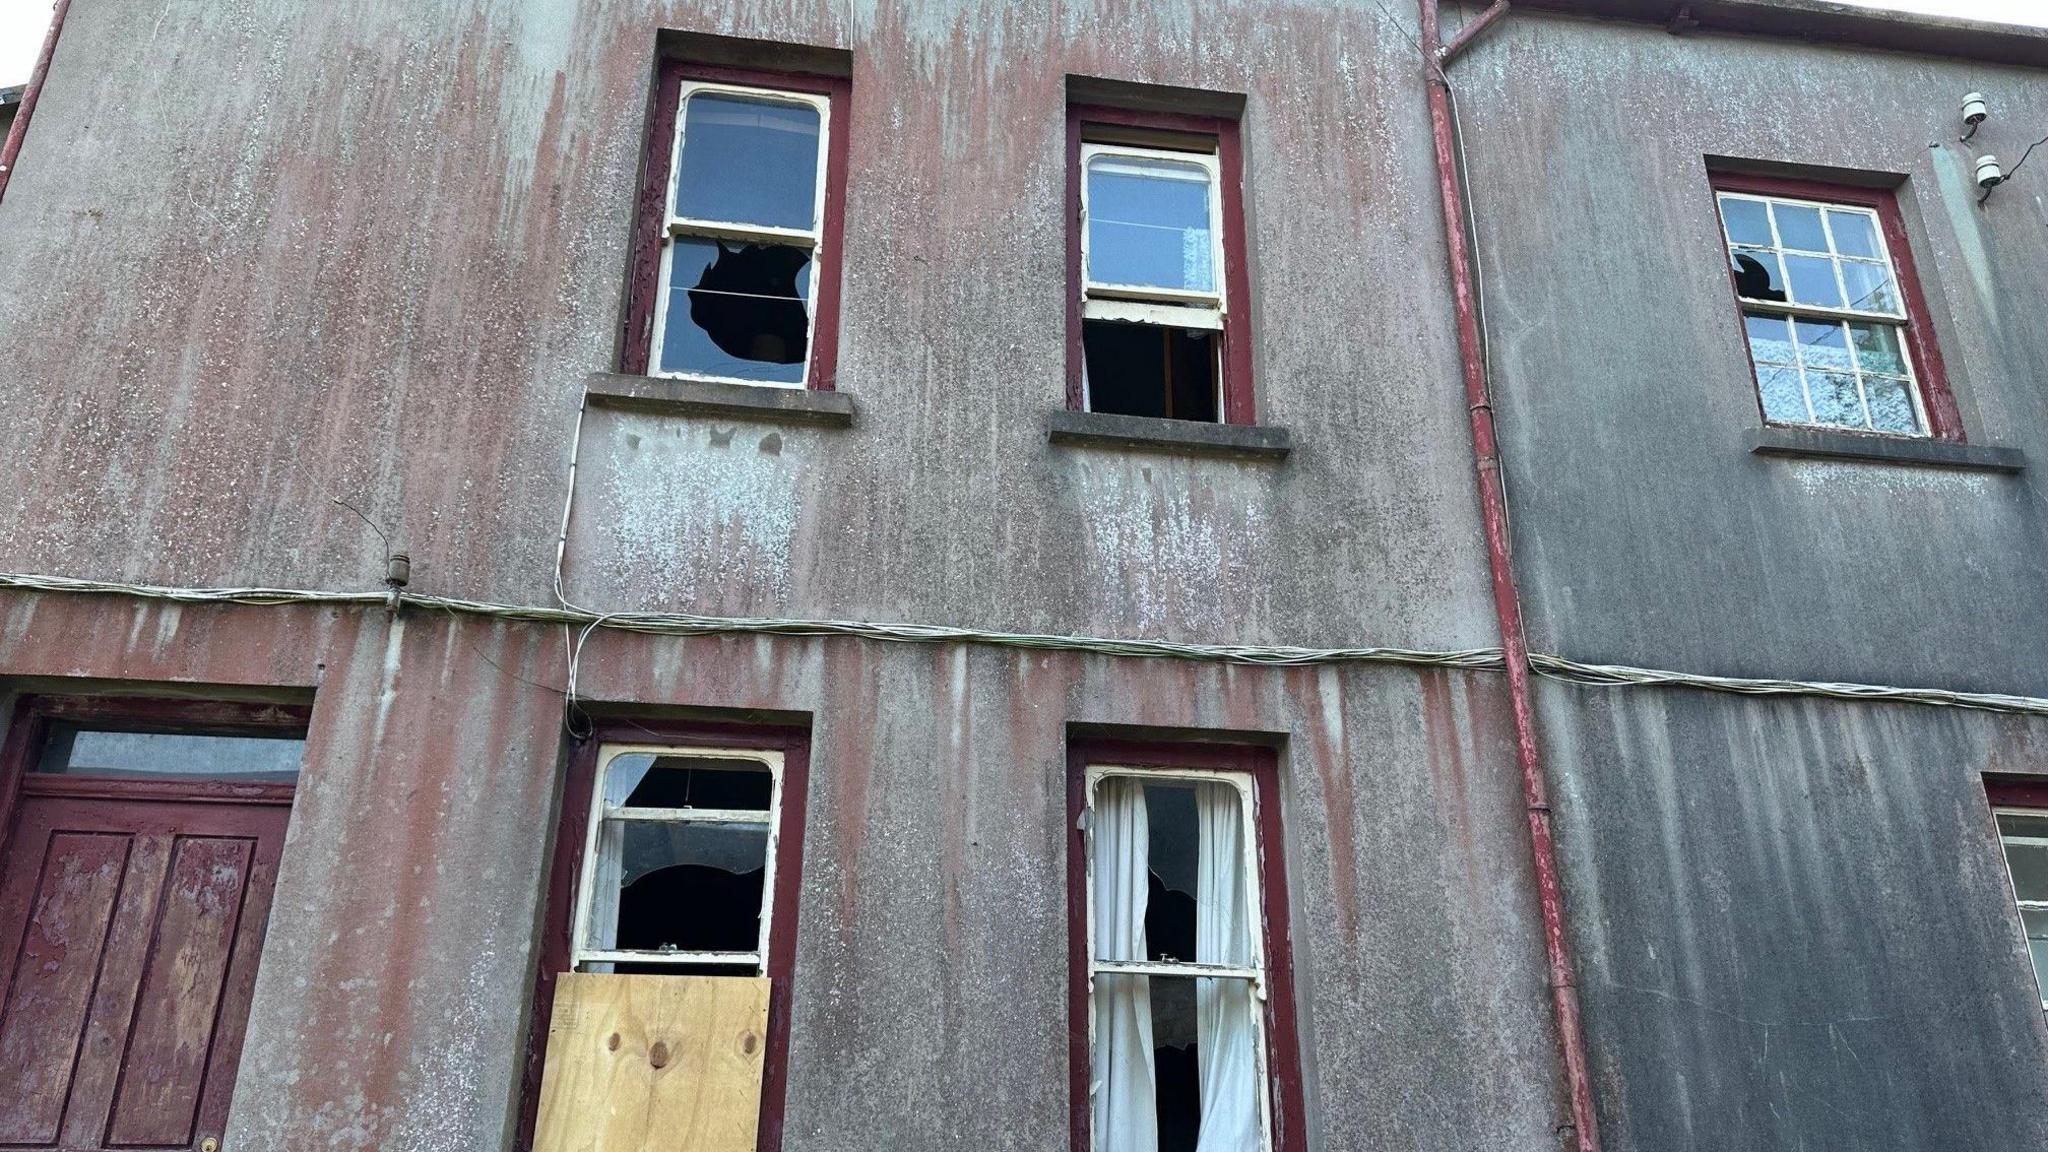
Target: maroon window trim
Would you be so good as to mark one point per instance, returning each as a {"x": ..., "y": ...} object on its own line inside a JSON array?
[
  {"x": 795, "y": 746},
  {"x": 1239, "y": 405},
  {"x": 637, "y": 340},
  {"x": 1283, "y": 1062},
  {"x": 2018, "y": 792},
  {"x": 34, "y": 714},
  {"x": 1944, "y": 421}
]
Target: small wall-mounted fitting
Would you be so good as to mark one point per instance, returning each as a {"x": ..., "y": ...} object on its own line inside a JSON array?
[
  {"x": 1989, "y": 174},
  {"x": 1975, "y": 109},
  {"x": 397, "y": 570}
]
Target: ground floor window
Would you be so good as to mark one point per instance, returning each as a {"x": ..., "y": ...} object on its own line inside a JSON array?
[{"x": 1176, "y": 967}]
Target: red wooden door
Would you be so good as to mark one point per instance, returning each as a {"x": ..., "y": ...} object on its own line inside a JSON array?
[{"x": 131, "y": 918}]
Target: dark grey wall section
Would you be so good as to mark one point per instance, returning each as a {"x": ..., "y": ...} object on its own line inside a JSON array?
[
  {"x": 1794, "y": 923},
  {"x": 1646, "y": 531}
]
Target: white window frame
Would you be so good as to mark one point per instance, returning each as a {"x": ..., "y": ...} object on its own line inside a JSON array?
[
  {"x": 1900, "y": 320},
  {"x": 1253, "y": 852},
  {"x": 580, "y": 953},
  {"x": 680, "y": 227},
  {"x": 2013, "y": 885}
]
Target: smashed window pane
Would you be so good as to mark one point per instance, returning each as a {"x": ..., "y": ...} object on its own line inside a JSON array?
[
  {"x": 69, "y": 749},
  {"x": 683, "y": 887},
  {"x": 693, "y": 782},
  {"x": 737, "y": 310},
  {"x": 1151, "y": 370},
  {"x": 748, "y": 161},
  {"x": 1148, "y": 224},
  {"x": 1757, "y": 275}
]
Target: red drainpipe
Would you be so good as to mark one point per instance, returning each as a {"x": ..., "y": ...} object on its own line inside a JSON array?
[
  {"x": 28, "y": 97},
  {"x": 1507, "y": 599}
]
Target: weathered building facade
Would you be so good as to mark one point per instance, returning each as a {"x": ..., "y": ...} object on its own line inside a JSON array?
[{"x": 289, "y": 288}]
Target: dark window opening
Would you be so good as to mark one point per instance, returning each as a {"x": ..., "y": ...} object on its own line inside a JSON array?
[
  {"x": 690, "y": 782},
  {"x": 1150, "y": 370},
  {"x": 1177, "y": 1093},
  {"x": 691, "y": 908},
  {"x": 1172, "y": 861},
  {"x": 738, "y": 310}
]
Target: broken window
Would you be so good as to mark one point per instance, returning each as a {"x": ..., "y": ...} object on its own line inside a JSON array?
[
  {"x": 2025, "y": 835},
  {"x": 1823, "y": 313},
  {"x": 1152, "y": 299},
  {"x": 1176, "y": 962},
  {"x": 744, "y": 225},
  {"x": 680, "y": 861}
]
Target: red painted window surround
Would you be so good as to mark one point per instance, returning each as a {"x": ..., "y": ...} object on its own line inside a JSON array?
[
  {"x": 1239, "y": 405},
  {"x": 1945, "y": 422},
  {"x": 1283, "y": 1062},
  {"x": 578, "y": 788},
  {"x": 636, "y": 341},
  {"x": 2017, "y": 791}
]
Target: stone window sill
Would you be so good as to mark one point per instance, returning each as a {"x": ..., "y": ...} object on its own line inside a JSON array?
[
  {"x": 704, "y": 398},
  {"x": 1180, "y": 437},
  {"x": 1774, "y": 440}
]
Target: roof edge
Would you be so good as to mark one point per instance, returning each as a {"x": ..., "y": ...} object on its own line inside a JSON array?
[{"x": 1825, "y": 22}]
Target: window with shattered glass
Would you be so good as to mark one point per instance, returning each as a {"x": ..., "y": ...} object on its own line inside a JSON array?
[
  {"x": 679, "y": 866},
  {"x": 745, "y": 223},
  {"x": 1823, "y": 313},
  {"x": 1152, "y": 295},
  {"x": 2025, "y": 836}
]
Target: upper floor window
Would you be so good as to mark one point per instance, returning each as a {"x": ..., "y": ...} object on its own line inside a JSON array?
[
  {"x": 1158, "y": 266},
  {"x": 1187, "y": 1007},
  {"x": 737, "y": 281},
  {"x": 1836, "y": 328}
]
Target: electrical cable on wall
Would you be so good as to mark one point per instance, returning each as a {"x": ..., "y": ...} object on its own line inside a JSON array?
[{"x": 1556, "y": 668}]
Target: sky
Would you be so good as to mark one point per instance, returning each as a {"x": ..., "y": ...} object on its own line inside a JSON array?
[{"x": 22, "y": 23}]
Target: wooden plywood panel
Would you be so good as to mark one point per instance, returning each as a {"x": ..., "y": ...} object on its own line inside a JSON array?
[{"x": 640, "y": 1063}]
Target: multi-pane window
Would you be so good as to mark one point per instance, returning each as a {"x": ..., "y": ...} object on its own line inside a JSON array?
[
  {"x": 679, "y": 864},
  {"x": 1176, "y": 962},
  {"x": 1825, "y": 314},
  {"x": 743, "y": 230},
  {"x": 2025, "y": 835}
]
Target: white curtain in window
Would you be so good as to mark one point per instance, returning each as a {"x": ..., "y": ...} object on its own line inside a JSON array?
[
  {"x": 1223, "y": 1008},
  {"x": 1122, "y": 1079}
]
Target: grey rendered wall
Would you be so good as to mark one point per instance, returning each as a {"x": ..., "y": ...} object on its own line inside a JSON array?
[{"x": 1794, "y": 929}]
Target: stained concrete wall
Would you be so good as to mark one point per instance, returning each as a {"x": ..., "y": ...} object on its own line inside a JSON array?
[{"x": 371, "y": 250}]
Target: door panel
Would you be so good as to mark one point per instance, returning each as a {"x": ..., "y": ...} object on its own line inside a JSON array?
[
  {"x": 138, "y": 927},
  {"x": 71, "y": 881}
]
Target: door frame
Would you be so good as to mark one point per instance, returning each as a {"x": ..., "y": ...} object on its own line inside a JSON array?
[{"x": 33, "y": 715}]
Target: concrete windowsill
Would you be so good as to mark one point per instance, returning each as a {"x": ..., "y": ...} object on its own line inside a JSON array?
[
  {"x": 700, "y": 397},
  {"x": 1146, "y": 433},
  {"x": 1827, "y": 442}
]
